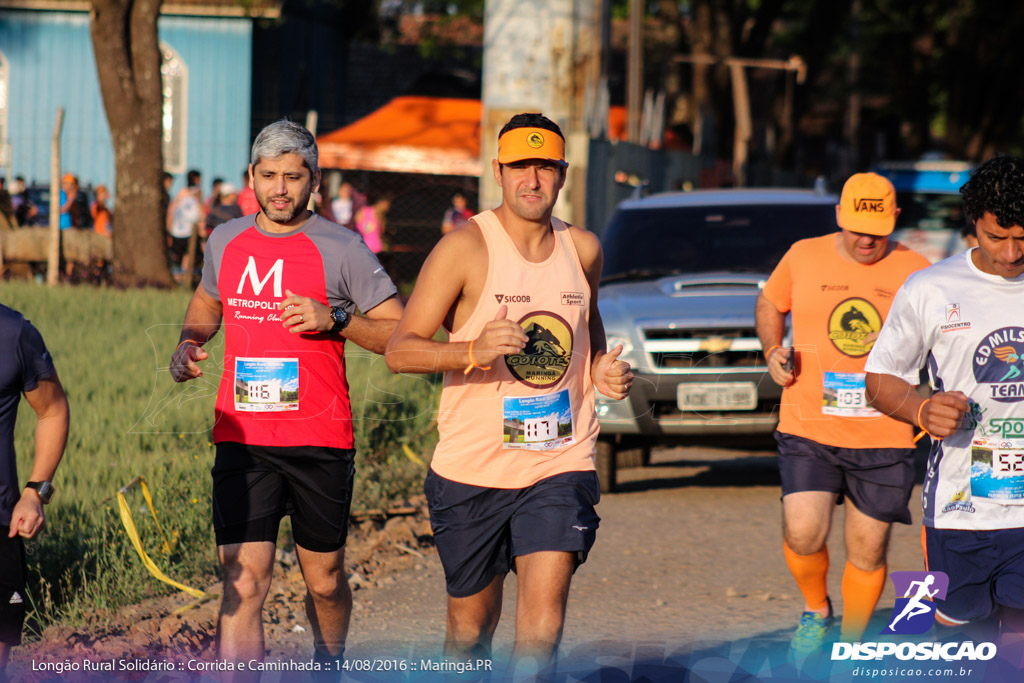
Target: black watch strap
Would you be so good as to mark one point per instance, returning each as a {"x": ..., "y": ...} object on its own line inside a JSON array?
[
  {"x": 341, "y": 319},
  {"x": 43, "y": 488}
]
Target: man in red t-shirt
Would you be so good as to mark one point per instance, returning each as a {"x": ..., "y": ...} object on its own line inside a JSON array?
[
  {"x": 247, "y": 197},
  {"x": 285, "y": 283},
  {"x": 838, "y": 289}
]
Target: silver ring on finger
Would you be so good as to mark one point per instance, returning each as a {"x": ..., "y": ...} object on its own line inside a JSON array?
[{"x": 302, "y": 318}]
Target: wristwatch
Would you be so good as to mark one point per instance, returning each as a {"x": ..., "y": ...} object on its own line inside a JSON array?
[
  {"x": 44, "y": 488},
  {"x": 341, "y": 319}
]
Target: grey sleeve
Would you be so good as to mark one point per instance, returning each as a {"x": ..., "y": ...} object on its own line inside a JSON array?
[
  {"x": 212, "y": 256},
  {"x": 363, "y": 282}
]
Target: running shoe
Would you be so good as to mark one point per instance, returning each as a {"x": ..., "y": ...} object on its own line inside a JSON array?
[{"x": 810, "y": 634}]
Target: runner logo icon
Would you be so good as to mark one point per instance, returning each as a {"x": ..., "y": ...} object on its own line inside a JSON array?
[{"x": 914, "y": 613}]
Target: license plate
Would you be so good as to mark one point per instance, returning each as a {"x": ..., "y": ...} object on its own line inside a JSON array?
[{"x": 717, "y": 396}]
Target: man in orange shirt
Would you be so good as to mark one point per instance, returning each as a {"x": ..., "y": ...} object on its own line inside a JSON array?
[
  {"x": 832, "y": 446},
  {"x": 512, "y": 483}
]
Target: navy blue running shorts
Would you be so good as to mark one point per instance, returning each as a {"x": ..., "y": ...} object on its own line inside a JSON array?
[
  {"x": 479, "y": 531},
  {"x": 255, "y": 486},
  {"x": 878, "y": 481},
  {"x": 12, "y": 587},
  {"x": 985, "y": 570}
]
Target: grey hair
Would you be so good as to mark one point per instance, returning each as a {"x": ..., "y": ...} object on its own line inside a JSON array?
[{"x": 285, "y": 137}]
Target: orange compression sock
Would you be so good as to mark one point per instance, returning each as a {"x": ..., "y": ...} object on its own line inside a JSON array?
[
  {"x": 810, "y": 572},
  {"x": 861, "y": 591}
]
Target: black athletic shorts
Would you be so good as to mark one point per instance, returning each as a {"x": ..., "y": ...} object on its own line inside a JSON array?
[
  {"x": 478, "y": 530},
  {"x": 877, "y": 480},
  {"x": 985, "y": 570},
  {"x": 178, "y": 248},
  {"x": 255, "y": 486},
  {"x": 12, "y": 587}
]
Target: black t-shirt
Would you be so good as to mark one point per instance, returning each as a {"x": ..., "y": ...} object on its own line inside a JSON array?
[{"x": 24, "y": 361}]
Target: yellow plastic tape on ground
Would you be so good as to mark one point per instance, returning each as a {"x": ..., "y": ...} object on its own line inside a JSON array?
[
  {"x": 133, "y": 534},
  {"x": 412, "y": 456}
]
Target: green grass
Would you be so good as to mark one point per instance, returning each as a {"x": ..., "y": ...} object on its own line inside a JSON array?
[{"x": 128, "y": 418}]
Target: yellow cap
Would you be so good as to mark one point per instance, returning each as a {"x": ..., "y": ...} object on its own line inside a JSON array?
[
  {"x": 868, "y": 205},
  {"x": 520, "y": 144}
]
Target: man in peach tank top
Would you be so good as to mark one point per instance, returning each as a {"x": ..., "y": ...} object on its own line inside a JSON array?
[
  {"x": 838, "y": 289},
  {"x": 512, "y": 484}
]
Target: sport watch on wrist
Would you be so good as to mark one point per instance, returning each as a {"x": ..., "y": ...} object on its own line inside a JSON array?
[
  {"x": 341, "y": 319},
  {"x": 43, "y": 488}
]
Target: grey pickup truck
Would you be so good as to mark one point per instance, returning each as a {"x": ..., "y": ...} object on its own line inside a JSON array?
[{"x": 682, "y": 272}]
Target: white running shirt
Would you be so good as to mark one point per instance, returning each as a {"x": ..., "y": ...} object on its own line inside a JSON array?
[{"x": 968, "y": 326}]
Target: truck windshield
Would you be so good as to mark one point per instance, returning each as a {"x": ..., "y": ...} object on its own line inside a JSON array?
[{"x": 645, "y": 243}]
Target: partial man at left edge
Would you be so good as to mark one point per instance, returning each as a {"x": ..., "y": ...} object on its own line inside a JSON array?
[{"x": 25, "y": 368}]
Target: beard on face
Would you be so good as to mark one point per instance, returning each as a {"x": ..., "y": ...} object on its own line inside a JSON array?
[{"x": 283, "y": 215}]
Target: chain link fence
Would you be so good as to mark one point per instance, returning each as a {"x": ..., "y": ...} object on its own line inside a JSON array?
[{"x": 412, "y": 225}]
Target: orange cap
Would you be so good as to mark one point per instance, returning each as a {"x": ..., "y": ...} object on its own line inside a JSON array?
[
  {"x": 68, "y": 178},
  {"x": 520, "y": 144},
  {"x": 868, "y": 205}
]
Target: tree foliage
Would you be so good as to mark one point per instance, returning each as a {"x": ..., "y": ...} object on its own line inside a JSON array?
[{"x": 915, "y": 76}]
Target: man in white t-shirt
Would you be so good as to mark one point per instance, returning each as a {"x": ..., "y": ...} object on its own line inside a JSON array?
[
  {"x": 184, "y": 215},
  {"x": 963, "y": 319}
]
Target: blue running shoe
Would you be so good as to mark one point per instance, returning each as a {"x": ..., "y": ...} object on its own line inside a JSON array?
[{"x": 810, "y": 634}]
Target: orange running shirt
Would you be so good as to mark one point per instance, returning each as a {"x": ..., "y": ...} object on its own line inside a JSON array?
[
  {"x": 531, "y": 416},
  {"x": 838, "y": 307}
]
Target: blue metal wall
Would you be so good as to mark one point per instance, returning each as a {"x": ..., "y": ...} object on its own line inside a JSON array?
[{"x": 52, "y": 65}]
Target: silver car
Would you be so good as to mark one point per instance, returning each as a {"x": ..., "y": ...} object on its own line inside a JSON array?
[{"x": 682, "y": 272}]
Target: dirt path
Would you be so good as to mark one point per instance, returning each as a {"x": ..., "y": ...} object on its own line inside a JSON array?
[{"x": 688, "y": 552}]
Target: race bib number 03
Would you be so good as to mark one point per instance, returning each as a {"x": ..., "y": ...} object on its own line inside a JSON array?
[
  {"x": 266, "y": 385},
  {"x": 537, "y": 423},
  {"x": 844, "y": 395},
  {"x": 997, "y": 470}
]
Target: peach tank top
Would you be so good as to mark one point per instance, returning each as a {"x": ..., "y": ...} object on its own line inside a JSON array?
[{"x": 531, "y": 416}]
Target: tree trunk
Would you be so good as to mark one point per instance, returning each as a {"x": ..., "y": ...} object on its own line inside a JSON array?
[{"x": 126, "y": 45}]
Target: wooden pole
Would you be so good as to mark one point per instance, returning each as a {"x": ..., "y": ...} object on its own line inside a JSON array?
[
  {"x": 311, "y": 119},
  {"x": 634, "y": 71},
  {"x": 743, "y": 126},
  {"x": 53, "y": 257}
]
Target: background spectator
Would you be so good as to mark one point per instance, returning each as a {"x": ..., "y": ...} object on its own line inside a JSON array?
[
  {"x": 25, "y": 211},
  {"x": 215, "y": 194},
  {"x": 102, "y": 218},
  {"x": 456, "y": 215},
  {"x": 226, "y": 210},
  {"x": 247, "y": 197},
  {"x": 74, "y": 206},
  {"x": 346, "y": 204},
  {"x": 370, "y": 222},
  {"x": 183, "y": 217},
  {"x": 8, "y": 221}
]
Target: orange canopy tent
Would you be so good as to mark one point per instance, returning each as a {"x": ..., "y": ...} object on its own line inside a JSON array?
[{"x": 435, "y": 135}]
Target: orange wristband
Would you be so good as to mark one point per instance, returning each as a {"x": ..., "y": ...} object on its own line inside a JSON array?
[
  {"x": 770, "y": 349},
  {"x": 472, "y": 363},
  {"x": 924, "y": 430},
  {"x": 185, "y": 341}
]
